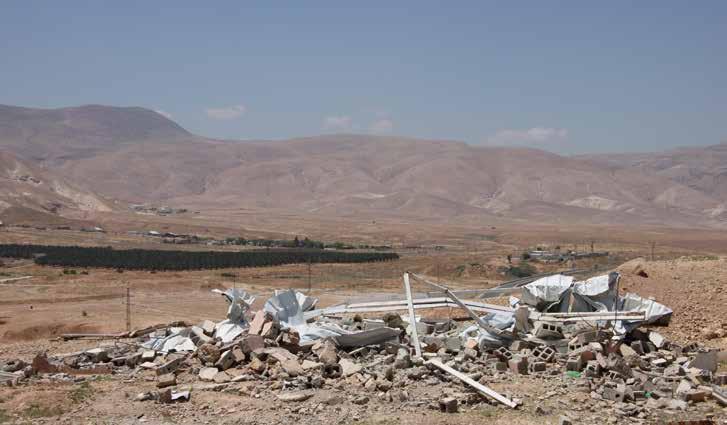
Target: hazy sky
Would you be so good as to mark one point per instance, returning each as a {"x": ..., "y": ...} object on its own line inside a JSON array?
[{"x": 566, "y": 76}]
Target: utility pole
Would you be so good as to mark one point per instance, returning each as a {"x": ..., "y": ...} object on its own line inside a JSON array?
[
  {"x": 128, "y": 308},
  {"x": 592, "y": 251},
  {"x": 309, "y": 276},
  {"x": 653, "y": 245}
]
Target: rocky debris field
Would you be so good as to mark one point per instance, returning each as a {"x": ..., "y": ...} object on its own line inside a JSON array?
[
  {"x": 287, "y": 363},
  {"x": 265, "y": 378},
  {"x": 694, "y": 287}
]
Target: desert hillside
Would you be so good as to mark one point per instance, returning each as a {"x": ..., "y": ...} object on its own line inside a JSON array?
[
  {"x": 137, "y": 155},
  {"x": 26, "y": 189}
]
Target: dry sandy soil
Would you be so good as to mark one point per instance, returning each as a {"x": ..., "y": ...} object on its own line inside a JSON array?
[{"x": 34, "y": 311}]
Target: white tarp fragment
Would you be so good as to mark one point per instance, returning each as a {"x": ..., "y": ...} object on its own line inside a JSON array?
[
  {"x": 367, "y": 337},
  {"x": 595, "y": 294},
  {"x": 227, "y": 330},
  {"x": 655, "y": 312},
  {"x": 287, "y": 308},
  {"x": 502, "y": 321},
  {"x": 559, "y": 293},
  {"x": 240, "y": 302},
  {"x": 546, "y": 291},
  {"x": 178, "y": 340}
]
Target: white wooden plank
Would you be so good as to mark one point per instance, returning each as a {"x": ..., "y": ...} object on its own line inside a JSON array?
[
  {"x": 412, "y": 318},
  {"x": 489, "y": 392}
]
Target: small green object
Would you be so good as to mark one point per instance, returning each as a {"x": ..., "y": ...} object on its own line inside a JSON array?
[
  {"x": 573, "y": 374},
  {"x": 647, "y": 394}
]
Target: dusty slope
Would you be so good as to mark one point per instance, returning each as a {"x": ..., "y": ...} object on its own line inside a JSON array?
[
  {"x": 703, "y": 169},
  {"x": 49, "y": 134},
  {"x": 24, "y": 186},
  {"x": 136, "y": 155},
  {"x": 694, "y": 287}
]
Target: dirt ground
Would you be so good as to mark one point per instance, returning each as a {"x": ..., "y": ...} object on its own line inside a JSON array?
[{"x": 35, "y": 310}]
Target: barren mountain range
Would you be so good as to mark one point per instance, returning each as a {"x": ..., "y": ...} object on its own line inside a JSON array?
[{"x": 71, "y": 161}]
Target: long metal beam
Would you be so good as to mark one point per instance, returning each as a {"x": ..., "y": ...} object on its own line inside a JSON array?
[
  {"x": 412, "y": 317},
  {"x": 419, "y": 303},
  {"x": 489, "y": 392},
  {"x": 481, "y": 323}
]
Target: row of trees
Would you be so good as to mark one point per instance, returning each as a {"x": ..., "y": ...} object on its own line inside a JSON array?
[
  {"x": 301, "y": 243},
  {"x": 145, "y": 259},
  {"x": 278, "y": 243}
]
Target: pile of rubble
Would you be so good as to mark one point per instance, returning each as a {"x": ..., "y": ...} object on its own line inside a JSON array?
[{"x": 583, "y": 331}]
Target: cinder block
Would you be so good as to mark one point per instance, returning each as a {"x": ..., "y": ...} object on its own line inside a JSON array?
[
  {"x": 518, "y": 365},
  {"x": 546, "y": 330},
  {"x": 544, "y": 353},
  {"x": 573, "y": 364},
  {"x": 593, "y": 370},
  {"x": 503, "y": 354},
  {"x": 448, "y": 405},
  {"x": 536, "y": 367}
]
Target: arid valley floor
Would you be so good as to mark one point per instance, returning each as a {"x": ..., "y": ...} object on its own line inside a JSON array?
[{"x": 688, "y": 273}]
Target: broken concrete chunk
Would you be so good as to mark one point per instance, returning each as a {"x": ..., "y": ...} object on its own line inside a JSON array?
[
  {"x": 256, "y": 325},
  {"x": 222, "y": 377},
  {"x": 326, "y": 352},
  {"x": 170, "y": 366},
  {"x": 705, "y": 361},
  {"x": 144, "y": 396},
  {"x": 309, "y": 365},
  {"x": 627, "y": 351},
  {"x": 453, "y": 344},
  {"x": 360, "y": 400},
  {"x": 42, "y": 365},
  {"x": 257, "y": 365},
  {"x": 290, "y": 340},
  {"x": 98, "y": 355},
  {"x": 208, "y": 373},
  {"x": 280, "y": 354},
  {"x": 403, "y": 359},
  {"x": 349, "y": 368},
  {"x": 332, "y": 371},
  {"x": 448, "y": 405},
  {"x": 292, "y": 367},
  {"x": 518, "y": 365},
  {"x": 683, "y": 388},
  {"x": 225, "y": 361},
  {"x": 673, "y": 370},
  {"x": 519, "y": 345},
  {"x": 294, "y": 396},
  {"x": 469, "y": 354},
  {"x": 166, "y": 380},
  {"x": 638, "y": 347},
  {"x": 657, "y": 339},
  {"x": 270, "y": 330},
  {"x": 237, "y": 355},
  {"x": 199, "y": 337},
  {"x": 148, "y": 355},
  {"x": 472, "y": 344},
  {"x": 208, "y": 353},
  {"x": 251, "y": 343},
  {"x": 208, "y": 327},
  {"x": 674, "y": 404}
]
